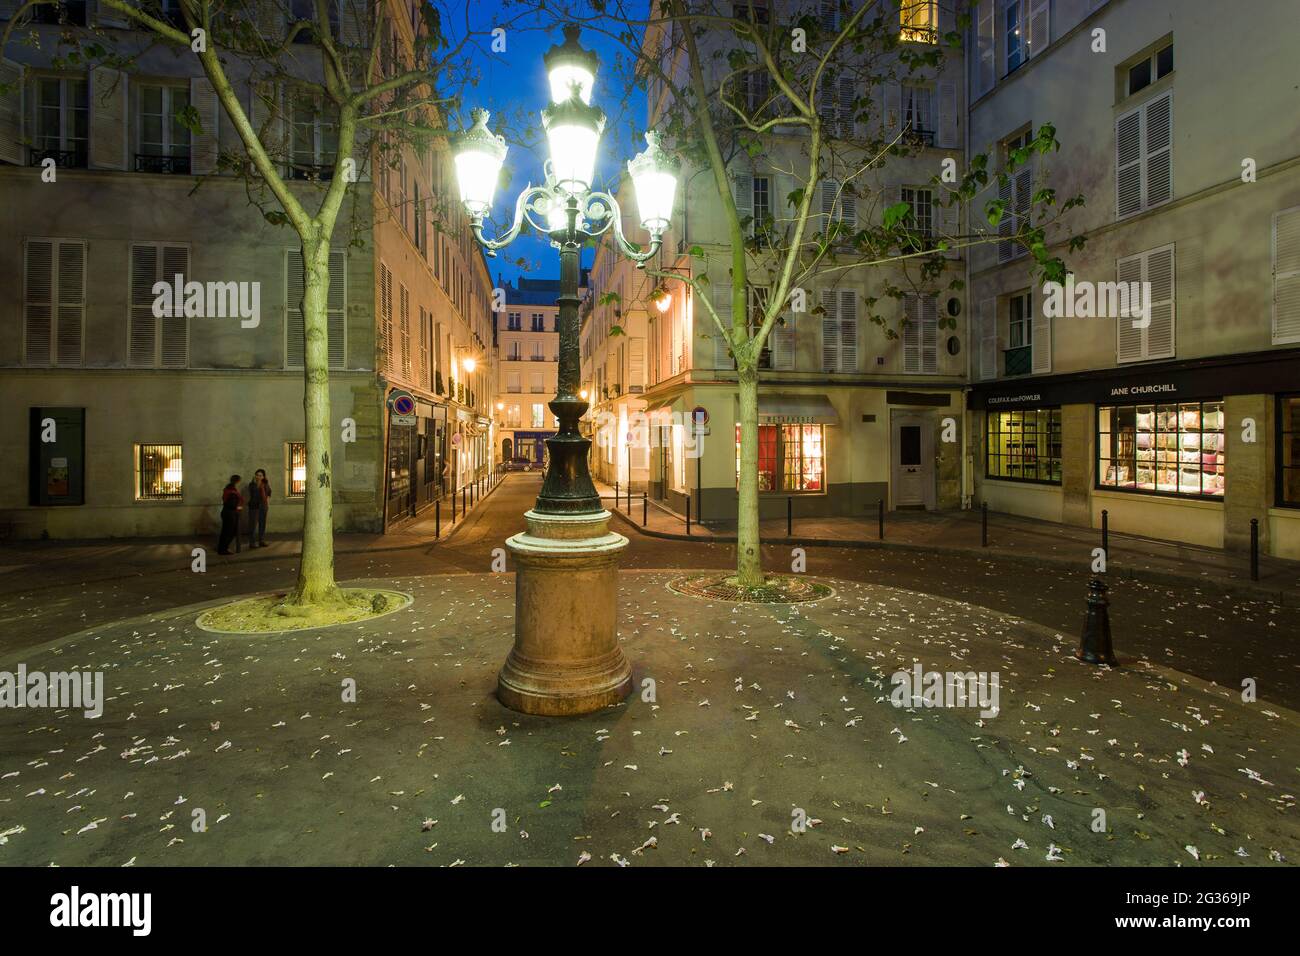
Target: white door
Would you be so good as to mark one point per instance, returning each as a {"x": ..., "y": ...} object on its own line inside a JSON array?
[{"x": 912, "y": 460}]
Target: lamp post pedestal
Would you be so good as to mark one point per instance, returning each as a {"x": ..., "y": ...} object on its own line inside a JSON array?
[{"x": 566, "y": 659}]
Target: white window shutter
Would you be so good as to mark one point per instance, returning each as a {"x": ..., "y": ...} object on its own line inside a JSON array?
[
  {"x": 1129, "y": 338},
  {"x": 784, "y": 342},
  {"x": 1128, "y": 164},
  {"x": 830, "y": 330},
  {"x": 11, "y": 112},
  {"x": 1006, "y": 193},
  {"x": 266, "y": 113},
  {"x": 848, "y": 331},
  {"x": 986, "y": 43},
  {"x": 721, "y": 305},
  {"x": 1024, "y": 196},
  {"x": 108, "y": 131},
  {"x": 912, "y": 333},
  {"x": 1157, "y": 124},
  {"x": 929, "y": 334},
  {"x": 174, "y": 340},
  {"x": 354, "y": 23},
  {"x": 143, "y": 343},
  {"x": 204, "y": 146},
  {"x": 386, "y": 315},
  {"x": 988, "y": 338},
  {"x": 1286, "y": 276},
  {"x": 404, "y": 317},
  {"x": 948, "y": 132},
  {"x": 847, "y": 127},
  {"x": 1034, "y": 13},
  {"x": 742, "y": 183},
  {"x": 107, "y": 16},
  {"x": 38, "y": 302},
  {"x": 1160, "y": 274},
  {"x": 270, "y": 19},
  {"x": 294, "y": 330},
  {"x": 337, "y": 302},
  {"x": 70, "y": 289},
  {"x": 893, "y": 108},
  {"x": 1041, "y": 334}
]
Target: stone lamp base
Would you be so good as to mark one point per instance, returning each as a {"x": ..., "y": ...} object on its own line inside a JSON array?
[{"x": 566, "y": 659}]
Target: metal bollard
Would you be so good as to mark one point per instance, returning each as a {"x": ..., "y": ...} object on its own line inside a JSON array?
[
  {"x": 880, "y": 506},
  {"x": 984, "y": 524},
  {"x": 437, "y": 520},
  {"x": 615, "y": 495},
  {"x": 645, "y": 508},
  {"x": 1254, "y": 549},
  {"x": 789, "y": 516},
  {"x": 688, "y": 514},
  {"x": 1105, "y": 535},
  {"x": 464, "y": 496},
  {"x": 1095, "y": 646},
  {"x": 453, "y": 506}
]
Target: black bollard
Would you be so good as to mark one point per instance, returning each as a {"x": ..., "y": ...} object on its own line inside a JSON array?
[
  {"x": 1095, "y": 647},
  {"x": 789, "y": 517},
  {"x": 880, "y": 507},
  {"x": 1254, "y": 549},
  {"x": 437, "y": 520},
  {"x": 616, "y": 495},
  {"x": 453, "y": 506},
  {"x": 984, "y": 524},
  {"x": 688, "y": 514},
  {"x": 1105, "y": 534},
  {"x": 645, "y": 508},
  {"x": 464, "y": 496}
]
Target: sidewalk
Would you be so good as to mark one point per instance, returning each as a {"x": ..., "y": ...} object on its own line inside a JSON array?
[
  {"x": 95, "y": 560},
  {"x": 1010, "y": 537}
]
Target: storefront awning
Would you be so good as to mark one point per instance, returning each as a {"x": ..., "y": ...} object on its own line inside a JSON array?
[{"x": 796, "y": 410}]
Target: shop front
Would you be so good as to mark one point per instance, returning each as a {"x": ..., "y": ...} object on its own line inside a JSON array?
[{"x": 1190, "y": 451}]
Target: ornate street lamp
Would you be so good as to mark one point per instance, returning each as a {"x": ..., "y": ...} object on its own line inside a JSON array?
[{"x": 566, "y": 660}]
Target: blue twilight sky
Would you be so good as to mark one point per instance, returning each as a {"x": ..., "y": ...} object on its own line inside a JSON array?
[{"x": 513, "y": 81}]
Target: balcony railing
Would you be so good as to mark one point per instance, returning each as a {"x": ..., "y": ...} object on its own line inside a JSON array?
[
  {"x": 311, "y": 172},
  {"x": 1018, "y": 361},
  {"x": 170, "y": 165},
  {"x": 63, "y": 158},
  {"x": 916, "y": 136}
]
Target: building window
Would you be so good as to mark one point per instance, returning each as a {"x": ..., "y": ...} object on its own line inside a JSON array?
[
  {"x": 918, "y": 21},
  {"x": 513, "y": 322},
  {"x": 54, "y": 307},
  {"x": 1288, "y": 451},
  {"x": 791, "y": 458},
  {"x": 922, "y": 213},
  {"x": 1024, "y": 445},
  {"x": 1017, "y": 195},
  {"x": 539, "y": 415},
  {"x": 158, "y": 472},
  {"x": 762, "y": 203},
  {"x": 1140, "y": 337},
  {"x": 1150, "y": 68},
  {"x": 539, "y": 322},
  {"x": 921, "y": 334},
  {"x": 918, "y": 114},
  {"x": 1144, "y": 156},
  {"x": 61, "y": 115},
  {"x": 164, "y": 139},
  {"x": 315, "y": 140},
  {"x": 1018, "y": 358},
  {"x": 1174, "y": 449},
  {"x": 295, "y": 477},
  {"x": 159, "y": 336}
]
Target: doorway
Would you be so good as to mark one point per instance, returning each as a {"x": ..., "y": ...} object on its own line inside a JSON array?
[
  {"x": 912, "y": 460},
  {"x": 507, "y": 449}
]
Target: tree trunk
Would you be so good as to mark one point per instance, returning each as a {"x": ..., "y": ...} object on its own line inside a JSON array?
[
  {"x": 749, "y": 555},
  {"x": 316, "y": 570}
]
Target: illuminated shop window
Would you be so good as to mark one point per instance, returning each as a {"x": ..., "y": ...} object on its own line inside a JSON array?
[
  {"x": 791, "y": 458},
  {"x": 1174, "y": 449},
  {"x": 296, "y": 463},
  {"x": 1024, "y": 445},
  {"x": 158, "y": 472}
]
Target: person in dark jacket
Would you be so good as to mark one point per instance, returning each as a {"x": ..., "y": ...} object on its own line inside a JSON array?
[
  {"x": 231, "y": 504},
  {"x": 259, "y": 500}
]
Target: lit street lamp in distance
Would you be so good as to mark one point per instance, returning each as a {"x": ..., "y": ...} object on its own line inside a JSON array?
[{"x": 566, "y": 661}]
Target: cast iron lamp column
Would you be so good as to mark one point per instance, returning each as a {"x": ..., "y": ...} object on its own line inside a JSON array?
[{"x": 566, "y": 658}]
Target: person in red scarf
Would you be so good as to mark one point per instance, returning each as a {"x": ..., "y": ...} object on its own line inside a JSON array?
[{"x": 232, "y": 502}]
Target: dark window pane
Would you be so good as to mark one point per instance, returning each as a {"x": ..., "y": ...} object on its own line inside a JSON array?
[
  {"x": 1139, "y": 76},
  {"x": 1165, "y": 61}
]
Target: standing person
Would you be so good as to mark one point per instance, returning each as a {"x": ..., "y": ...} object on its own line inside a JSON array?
[
  {"x": 259, "y": 500},
  {"x": 231, "y": 504}
]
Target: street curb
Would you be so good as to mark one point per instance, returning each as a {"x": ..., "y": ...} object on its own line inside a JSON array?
[{"x": 1065, "y": 564}]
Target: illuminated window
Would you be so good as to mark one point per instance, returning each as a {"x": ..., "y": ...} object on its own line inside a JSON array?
[
  {"x": 296, "y": 468},
  {"x": 1024, "y": 445},
  {"x": 158, "y": 472},
  {"x": 791, "y": 458},
  {"x": 1162, "y": 449},
  {"x": 1288, "y": 451},
  {"x": 918, "y": 20}
]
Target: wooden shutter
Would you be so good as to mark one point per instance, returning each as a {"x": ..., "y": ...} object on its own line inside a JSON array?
[
  {"x": 1129, "y": 338},
  {"x": 70, "y": 302},
  {"x": 270, "y": 19},
  {"x": 636, "y": 365},
  {"x": 404, "y": 315},
  {"x": 354, "y": 21},
  {"x": 1034, "y": 14},
  {"x": 174, "y": 338},
  {"x": 742, "y": 185},
  {"x": 143, "y": 345},
  {"x": 38, "y": 302},
  {"x": 1286, "y": 276},
  {"x": 337, "y": 304},
  {"x": 929, "y": 334},
  {"x": 987, "y": 333},
  {"x": 722, "y": 305},
  {"x": 294, "y": 328},
  {"x": 1128, "y": 164},
  {"x": 912, "y": 333},
  {"x": 266, "y": 113},
  {"x": 1006, "y": 193},
  {"x": 784, "y": 342},
  {"x": 845, "y": 111},
  {"x": 986, "y": 44},
  {"x": 1160, "y": 274},
  {"x": 107, "y": 16},
  {"x": 848, "y": 331},
  {"x": 204, "y": 145},
  {"x": 830, "y": 330},
  {"x": 11, "y": 112},
  {"x": 1040, "y": 326},
  {"x": 1157, "y": 123},
  {"x": 891, "y": 108},
  {"x": 386, "y": 316},
  {"x": 108, "y": 131},
  {"x": 948, "y": 122}
]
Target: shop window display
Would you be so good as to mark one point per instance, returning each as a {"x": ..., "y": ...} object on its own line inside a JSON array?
[
  {"x": 1024, "y": 445},
  {"x": 791, "y": 458},
  {"x": 1174, "y": 449}
]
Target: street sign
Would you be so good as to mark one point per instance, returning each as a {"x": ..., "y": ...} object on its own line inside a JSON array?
[
  {"x": 700, "y": 415},
  {"x": 401, "y": 406}
]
